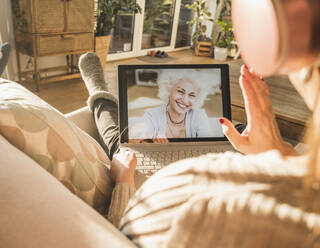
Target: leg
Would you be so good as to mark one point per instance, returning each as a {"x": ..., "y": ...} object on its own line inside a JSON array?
[
  {"x": 105, "y": 114},
  {"x": 18, "y": 65},
  {"x": 5, "y": 50},
  {"x": 72, "y": 62},
  {"x": 101, "y": 102},
  {"x": 36, "y": 75}
]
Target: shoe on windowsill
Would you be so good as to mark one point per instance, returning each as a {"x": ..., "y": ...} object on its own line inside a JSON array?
[{"x": 161, "y": 54}]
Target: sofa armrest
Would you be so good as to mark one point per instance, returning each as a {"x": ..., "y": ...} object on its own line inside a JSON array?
[
  {"x": 83, "y": 118},
  {"x": 38, "y": 211}
]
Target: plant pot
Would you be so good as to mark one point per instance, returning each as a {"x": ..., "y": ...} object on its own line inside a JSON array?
[
  {"x": 101, "y": 48},
  {"x": 220, "y": 53},
  {"x": 232, "y": 52}
]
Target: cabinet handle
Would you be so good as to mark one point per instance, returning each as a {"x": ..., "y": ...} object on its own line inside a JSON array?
[{"x": 67, "y": 36}]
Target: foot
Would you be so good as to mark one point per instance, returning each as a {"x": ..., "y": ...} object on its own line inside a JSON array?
[{"x": 92, "y": 73}]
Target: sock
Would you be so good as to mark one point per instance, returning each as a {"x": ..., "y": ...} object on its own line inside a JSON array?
[{"x": 92, "y": 73}]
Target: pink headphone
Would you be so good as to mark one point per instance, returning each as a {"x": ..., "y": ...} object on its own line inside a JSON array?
[{"x": 277, "y": 36}]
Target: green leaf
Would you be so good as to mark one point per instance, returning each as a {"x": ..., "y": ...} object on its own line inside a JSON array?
[{"x": 203, "y": 29}]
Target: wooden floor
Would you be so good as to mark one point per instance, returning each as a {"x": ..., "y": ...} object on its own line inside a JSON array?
[{"x": 67, "y": 96}]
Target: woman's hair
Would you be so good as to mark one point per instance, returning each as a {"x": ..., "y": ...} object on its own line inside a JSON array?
[{"x": 207, "y": 83}]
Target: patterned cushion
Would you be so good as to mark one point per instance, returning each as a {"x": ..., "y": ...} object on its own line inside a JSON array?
[{"x": 56, "y": 143}]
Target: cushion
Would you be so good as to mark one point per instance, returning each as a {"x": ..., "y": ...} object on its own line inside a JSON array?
[
  {"x": 56, "y": 143},
  {"x": 38, "y": 211}
]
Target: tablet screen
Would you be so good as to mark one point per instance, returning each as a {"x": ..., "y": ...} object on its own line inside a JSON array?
[{"x": 173, "y": 103}]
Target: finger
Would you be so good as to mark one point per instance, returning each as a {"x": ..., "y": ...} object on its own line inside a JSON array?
[
  {"x": 128, "y": 153},
  {"x": 163, "y": 140},
  {"x": 252, "y": 79},
  {"x": 238, "y": 141},
  {"x": 250, "y": 99},
  {"x": 259, "y": 85},
  {"x": 122, "y": 149},
  {"x": 261, "y": 90},
  {"x": 160, "y": 140},
  {"x": 257, "y": 101},
  {"x": 245, "y": 132}
]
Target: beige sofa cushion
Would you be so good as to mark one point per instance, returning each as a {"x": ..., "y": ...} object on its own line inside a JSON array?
[
  {"x": 38, "y": 211},
  {"x": 56, "y": 143}
]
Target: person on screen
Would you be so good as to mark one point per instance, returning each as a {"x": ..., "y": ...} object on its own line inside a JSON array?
[{"x": 180, "y": 116}]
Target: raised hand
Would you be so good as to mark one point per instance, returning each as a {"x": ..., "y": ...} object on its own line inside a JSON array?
[
  {"x": 123, "y": 166},
  {"x": 262, "y": 132}
]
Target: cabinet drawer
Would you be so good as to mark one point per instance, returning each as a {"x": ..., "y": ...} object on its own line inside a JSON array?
[{"x": 64, "y": 43}]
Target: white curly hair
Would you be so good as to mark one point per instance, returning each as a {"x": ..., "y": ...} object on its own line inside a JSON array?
[{"x": 208, "y": 81}]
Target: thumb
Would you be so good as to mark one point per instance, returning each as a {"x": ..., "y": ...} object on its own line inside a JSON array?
[{"x": 232, "y": 133}]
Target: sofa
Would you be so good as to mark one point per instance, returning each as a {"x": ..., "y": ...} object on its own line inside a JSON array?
[
  {"x": 36, "y": 210},
  {"x": 49, "y": 197}
]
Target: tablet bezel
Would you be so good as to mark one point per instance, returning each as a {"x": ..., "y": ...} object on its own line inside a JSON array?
[{"x": 123, "y": 98}]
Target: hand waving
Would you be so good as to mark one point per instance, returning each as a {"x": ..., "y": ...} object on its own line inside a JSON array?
[{"x": 262, "y": 133}]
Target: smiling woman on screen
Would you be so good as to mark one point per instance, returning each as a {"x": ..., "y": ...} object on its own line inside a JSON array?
[{"x": 180, "y": 116}]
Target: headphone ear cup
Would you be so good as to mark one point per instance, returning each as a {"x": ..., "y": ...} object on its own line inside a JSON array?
[
  {"x": 257, "y": 31},
  {"x": 277, "y": 36}
]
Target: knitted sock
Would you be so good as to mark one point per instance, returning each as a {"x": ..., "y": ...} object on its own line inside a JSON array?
[{"x": 92, "y": 74}]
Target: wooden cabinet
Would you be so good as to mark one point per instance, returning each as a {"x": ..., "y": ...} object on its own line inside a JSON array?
[
  {"x": 49, "y": 16},
  {"x": 52, "y": 27}
]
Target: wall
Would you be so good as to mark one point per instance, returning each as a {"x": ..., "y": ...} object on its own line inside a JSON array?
[{"x": 212, "y": 8}]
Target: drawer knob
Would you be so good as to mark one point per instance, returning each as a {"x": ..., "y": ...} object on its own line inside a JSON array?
[{"x": 67, "y": 36}]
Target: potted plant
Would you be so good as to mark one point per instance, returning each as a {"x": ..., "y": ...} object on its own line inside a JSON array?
[
  {"x": 222, "y": 12},
  {"x": 202, "y": 43},
  {"x": 225, "y": 40},
  {"x": 106, "y": 11}
]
